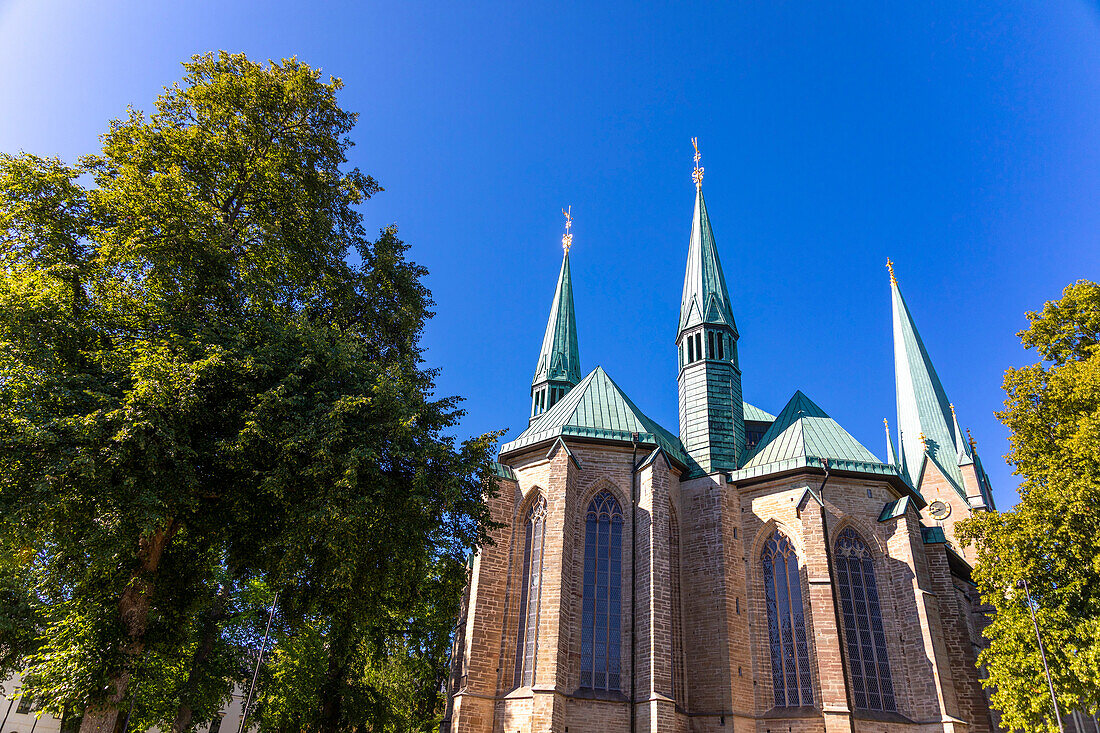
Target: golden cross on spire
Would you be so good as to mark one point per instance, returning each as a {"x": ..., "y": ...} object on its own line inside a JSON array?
[
  {"x": 890, "y": 267},
  {"x": 697, "y": 174},
  {"x": 567, "y": 238}
]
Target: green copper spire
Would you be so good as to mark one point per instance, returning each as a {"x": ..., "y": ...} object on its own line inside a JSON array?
[
  {"x": 560, "y": 358},
  {"x": 712, "y": 421},
  {"x": 559, "y": 364},
  {"x": 705, "y": 298},
  {"x": 923, "y": 410}
]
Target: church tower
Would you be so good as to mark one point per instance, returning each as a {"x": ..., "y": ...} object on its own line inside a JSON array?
[
  {"x": 712, "y": 425},
  {"x": 559, "y": 365}
]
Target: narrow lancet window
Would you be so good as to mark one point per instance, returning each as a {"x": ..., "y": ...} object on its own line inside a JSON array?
[
  {"x": 530, "y": 590},
  {"x": 791, "y": 680},
  {"x": 872, "y": 687},
  {"x": 601, "y": 606}
]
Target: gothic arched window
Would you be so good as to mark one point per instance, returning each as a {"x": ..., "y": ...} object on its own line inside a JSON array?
[
  {"x": 791, "y": 681},
  {"x": 601, "y": 608},
  {"x": 870, "y": 669},
  {"x": 527, "y": 639}
]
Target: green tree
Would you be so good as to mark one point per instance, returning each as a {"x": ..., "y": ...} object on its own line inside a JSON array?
[
  {"x": 199, "y": 392},
  {"x": 1051, "y": 538},
  {"x": 392, "y": 670}
]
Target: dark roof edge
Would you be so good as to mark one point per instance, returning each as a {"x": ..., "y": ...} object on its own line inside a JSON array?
[
  {"x": 893, "y": 479},
  {"x": 649, "y": 440}
]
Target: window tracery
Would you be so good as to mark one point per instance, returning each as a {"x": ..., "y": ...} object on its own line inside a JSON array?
[
  {"x": 601, "y": 609},
  {"x": 530, "y": 592},
  {"x": 791, "y": 679},
  {"x": 872, "y": 687}
]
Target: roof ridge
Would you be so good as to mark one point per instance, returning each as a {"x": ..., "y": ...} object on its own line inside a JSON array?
[
  {"x": 804, "y": 430},
  {"x": 597, "y": 408}
]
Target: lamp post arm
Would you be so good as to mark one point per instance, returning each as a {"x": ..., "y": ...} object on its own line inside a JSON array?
[{"x": 1043, "y": 655}]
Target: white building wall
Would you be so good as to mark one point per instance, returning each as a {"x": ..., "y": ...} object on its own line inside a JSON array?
[{"x": 16, "y": 722}]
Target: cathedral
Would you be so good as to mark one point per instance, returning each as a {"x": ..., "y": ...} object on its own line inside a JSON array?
[{"x": 752, "y": 573}]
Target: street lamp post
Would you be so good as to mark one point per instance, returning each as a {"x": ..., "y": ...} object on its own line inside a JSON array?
[{"x": 1022, "y": 584}]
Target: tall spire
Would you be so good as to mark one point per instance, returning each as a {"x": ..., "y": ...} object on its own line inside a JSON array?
[
  {"x": 924, "y": 413},
  {"x": 559, "y": 365},
  {"x": 705, "y": 298},
  {"x": 712, "y": 425}
]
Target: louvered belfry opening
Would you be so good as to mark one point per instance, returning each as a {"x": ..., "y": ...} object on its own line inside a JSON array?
[
  {"x": 872, "y": 688},
  {"x": 791, "y": 679},
  {"x": 527, "y": 638},
  {"x": 601, "y": 611}
]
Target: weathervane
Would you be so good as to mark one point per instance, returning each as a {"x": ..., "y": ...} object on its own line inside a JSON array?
[
  {"x": 890, "y": 267},
  {"x": 567, "y": 238},
  {"x": 697, "y": 174}
]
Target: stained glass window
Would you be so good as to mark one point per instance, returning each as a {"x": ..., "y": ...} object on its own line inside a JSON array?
[
  {"x": 872, "y": 688},
  {"x": 601, "y": 605},
  {"x": 527, "y": 639},
  {"x": 791, "y": 680}
]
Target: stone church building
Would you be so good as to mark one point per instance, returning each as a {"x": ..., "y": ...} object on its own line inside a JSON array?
[{"x": 752, "y": 573}]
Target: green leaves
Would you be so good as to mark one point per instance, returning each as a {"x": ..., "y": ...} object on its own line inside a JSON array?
[
  {"x": 1052, "y": 537},
  {"x": 199, "y": 396}
]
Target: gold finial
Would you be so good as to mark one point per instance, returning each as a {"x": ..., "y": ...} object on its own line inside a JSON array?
[
  {"x": 697, "y": 174},
  {"x": 567, "y": 238},
  {"x": 923, "y": 441},
  {"x": 952, "y": 406},
  {"x": 973, "y": 443},
  {"x": 886, "y": 424},
  {"x": 890, "y": 267}
]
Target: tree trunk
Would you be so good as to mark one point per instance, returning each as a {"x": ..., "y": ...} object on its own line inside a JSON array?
[
  {"x": 133, "y": 608},
  {"x": 332, "y": 690},
  {"x": 208, "y": 637},
  {"x": 331, "y": 698}
]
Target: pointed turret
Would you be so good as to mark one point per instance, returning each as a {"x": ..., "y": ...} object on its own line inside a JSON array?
[
  {"x": 962, "y": 456},
  {"x": 891, "y": 454},
  {"x": 926, "y": 420},
  {"x": 559, "y": 365},
  {"x": 712, "y": 425}
]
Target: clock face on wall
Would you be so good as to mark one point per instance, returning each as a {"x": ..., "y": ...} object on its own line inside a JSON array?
[{"x": 939, "y": 510}]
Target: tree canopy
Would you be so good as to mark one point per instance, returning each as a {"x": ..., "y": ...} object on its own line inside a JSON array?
[
  {"x": 212, "y": 390},
  {"x": 1051, "y": 538}
]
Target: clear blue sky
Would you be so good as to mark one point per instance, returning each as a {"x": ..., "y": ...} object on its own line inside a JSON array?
[{"x": 960, "y": 139}]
